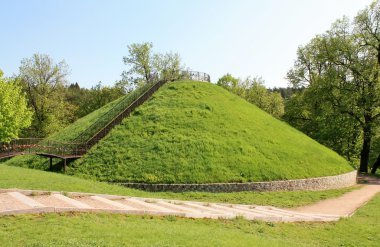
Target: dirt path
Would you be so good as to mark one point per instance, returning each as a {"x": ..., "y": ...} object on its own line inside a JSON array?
[{"x": 345, "y": 205}]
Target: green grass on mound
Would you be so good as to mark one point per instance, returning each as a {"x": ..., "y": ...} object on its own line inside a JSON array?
[
  {"x": 17, "y": 177},
  {"x": 193, "y": 132}
]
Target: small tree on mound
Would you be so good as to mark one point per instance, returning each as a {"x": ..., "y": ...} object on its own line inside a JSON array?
[
  {"x": 144, "y": 66},
  {"x": 14, "y": 113}
]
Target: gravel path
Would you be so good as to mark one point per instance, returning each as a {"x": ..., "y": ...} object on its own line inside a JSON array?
[{"x": 345, "y": 205}]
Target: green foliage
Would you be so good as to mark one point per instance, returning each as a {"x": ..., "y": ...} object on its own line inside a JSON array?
[
  {"x": 192, "y": 132},
  {"x": 228, "y": 82},
  {"x": 44, "y": 81},
  {"x": 89, "y": 100},
  {"x": 14, "y": 113},
  {"x": 341, "y": 70},
  {"x": 168, "y": 66},
  {"x": 140, "y": 63},
  {"x": 307, "y": 112},
  {"x": 254, "y": 91},
  {"x": 144, "y": 66}
]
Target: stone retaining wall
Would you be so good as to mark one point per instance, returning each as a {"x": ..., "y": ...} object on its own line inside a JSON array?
[{"x": 321, "y": 183}]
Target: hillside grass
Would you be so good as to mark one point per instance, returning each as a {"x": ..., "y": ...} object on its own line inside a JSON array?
[
  {"x": 194, "y": 132},
  {"x": 362, "y": 229},
  {"x": 22, "y": 178}
]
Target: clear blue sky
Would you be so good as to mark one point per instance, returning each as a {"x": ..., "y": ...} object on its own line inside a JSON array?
[{"x": 242, "y": 37}]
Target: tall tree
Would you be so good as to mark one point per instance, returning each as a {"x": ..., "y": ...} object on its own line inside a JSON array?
[
  {"x": 44, "y": 81},
  {"x": 306, "y": 111},
  {"x": 342, "y": 68},
  {"x": 14, "y": 113}
]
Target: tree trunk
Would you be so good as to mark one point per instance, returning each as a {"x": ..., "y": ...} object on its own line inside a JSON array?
[
  {"x": 366, "y": 147},
  {"x": 376, "y": 165}
]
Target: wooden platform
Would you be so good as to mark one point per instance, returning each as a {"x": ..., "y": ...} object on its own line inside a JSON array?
[
  {"x": 13, "y": 154},
  {"x": 10, "y": 155}
]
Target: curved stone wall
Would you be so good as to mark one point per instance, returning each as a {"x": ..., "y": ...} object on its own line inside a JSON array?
[{"x": 321, "y": 183}]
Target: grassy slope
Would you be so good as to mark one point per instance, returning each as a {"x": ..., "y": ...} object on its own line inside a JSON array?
[
  {"x": 17, "y": 177},
  {"x": 192, "y": 132},
  {"x": 362, "y": 229}
]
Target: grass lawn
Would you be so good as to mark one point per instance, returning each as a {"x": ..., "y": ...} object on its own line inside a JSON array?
[
  {"x": 22, "y": 178},
  {"x": 121, "y": 230}
]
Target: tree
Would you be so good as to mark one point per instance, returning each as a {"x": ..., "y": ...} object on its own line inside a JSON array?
[
  {"x": 168, "y": 66},
  {"x": 286, "y": 92},
  {"x": 144, "y": 66},
  {"x": 375, "y": 147},
  {"x": 254, "y": 91},
  {"x": 342, "y": 68},
  {"x": 305, "y": 111},
  {"x": 228, "y": 82},
  {"x": 44, "y": 81},
  {"x": 14, "y": 113},
  {"x": 140, "y": 63}
]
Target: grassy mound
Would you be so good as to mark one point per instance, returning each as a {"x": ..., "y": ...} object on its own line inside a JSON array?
[{"x": 193, "y": 132}]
